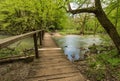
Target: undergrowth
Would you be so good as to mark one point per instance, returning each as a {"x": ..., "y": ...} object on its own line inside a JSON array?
[
  {"x": 22, "y": 47},
  {"x": 104, "y": 67}
]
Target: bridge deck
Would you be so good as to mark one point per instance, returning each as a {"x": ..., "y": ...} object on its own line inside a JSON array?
[{"x": 53, "y": 65}]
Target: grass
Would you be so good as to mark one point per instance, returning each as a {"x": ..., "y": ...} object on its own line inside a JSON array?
[
  {"x": 104, "y": 66},
  {"x": 3, "y": 36},
  {"x": 18, "y": 48},
  {"x": 69, "y": 31}
]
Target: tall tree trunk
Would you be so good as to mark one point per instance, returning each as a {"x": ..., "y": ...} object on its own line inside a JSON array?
[
  {"x": 107, "y": 25},
  {"x": 83, "y": 25}
]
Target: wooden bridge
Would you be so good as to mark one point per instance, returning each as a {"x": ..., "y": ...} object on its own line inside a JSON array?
[{"x": 51, "y": 65}]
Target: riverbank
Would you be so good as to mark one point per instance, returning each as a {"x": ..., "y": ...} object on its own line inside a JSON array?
[{"x": 102, "y": 66}]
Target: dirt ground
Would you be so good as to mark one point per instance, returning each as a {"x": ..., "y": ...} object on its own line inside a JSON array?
[{"x": 16, "y": 71}]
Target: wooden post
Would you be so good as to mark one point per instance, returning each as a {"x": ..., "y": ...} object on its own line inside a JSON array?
[
  {"x": 43, "y": 34},
  {"x": 35, "y": 45},
  {"x": 40, "y": 38}
]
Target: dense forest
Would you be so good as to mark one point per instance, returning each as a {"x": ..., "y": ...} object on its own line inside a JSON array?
[
  {"x": 18, "y": 15},
  {"x": 28, "y": 15},
  {"x": 78, "y": 17}
]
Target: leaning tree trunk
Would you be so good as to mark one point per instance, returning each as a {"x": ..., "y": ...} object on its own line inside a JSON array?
[
  {"x": 104, "y": 21},
  {"x": 107, "y": 25},
  {"x": 110, "y": 29}
]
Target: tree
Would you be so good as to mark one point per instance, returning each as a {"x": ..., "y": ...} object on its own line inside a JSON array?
[
  {"x": 104, "y": 21},
  {"x": 20, "y": 16}
]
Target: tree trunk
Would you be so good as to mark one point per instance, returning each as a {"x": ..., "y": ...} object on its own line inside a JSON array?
[
  {"x": 110, "y": 29},
  {"x": 83, "y": 25},
  {"x": 107, "y": 25},
  {"x": 104, "y": 21}
]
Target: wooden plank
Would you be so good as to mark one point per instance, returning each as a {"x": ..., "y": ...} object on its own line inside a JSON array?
[
  {"x": 53, "y": 77},
  {"x": 52, "y": 71},
  {"x": 68, "y": 78},
  {"x": 50, "y": 49},
  {"x": 53, "y": 65},
  {"x": 7, "y": 41}
]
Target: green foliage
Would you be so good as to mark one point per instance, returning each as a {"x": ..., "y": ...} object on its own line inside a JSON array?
[
  {"x": 68, "y": 31},
  {"x": 18, "y": 48},
  {"x": 19, "y": 16},
  {"x": 96, "y": 74},
  {"x": 113, "y": 10},
  {"x": 6, "y": 52},
  {"x": 110, "y": 7},
  {"x": 106, "y": 40},
  {"x": 104, "y": 65}
]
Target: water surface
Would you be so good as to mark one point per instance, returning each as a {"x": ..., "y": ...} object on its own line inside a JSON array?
[{"x": 73, "y": 44}]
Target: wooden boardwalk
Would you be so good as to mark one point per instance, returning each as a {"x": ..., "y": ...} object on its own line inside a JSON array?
[{"x": 53, "y": 65}]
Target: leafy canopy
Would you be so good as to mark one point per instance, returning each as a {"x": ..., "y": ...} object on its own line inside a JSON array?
[{"x": 19, "y": 16}]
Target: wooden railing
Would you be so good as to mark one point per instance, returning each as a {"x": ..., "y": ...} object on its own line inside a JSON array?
[{"x": 7, "y": 41}]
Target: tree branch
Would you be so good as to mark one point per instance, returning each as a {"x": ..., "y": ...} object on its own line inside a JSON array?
[
  {"x": 87, "y": 10},
  {"x": 63, "y": 8}
]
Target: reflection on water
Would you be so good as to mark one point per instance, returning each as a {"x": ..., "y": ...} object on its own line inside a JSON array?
[
  {"x": 72, "y": 53},
  {"x": 73, "y": 44}
]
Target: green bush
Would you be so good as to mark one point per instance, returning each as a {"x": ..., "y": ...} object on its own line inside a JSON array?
[{"x": 104, "y": 65}]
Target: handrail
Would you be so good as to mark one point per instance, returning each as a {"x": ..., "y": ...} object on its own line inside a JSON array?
[{"x": 7, "y": 41}]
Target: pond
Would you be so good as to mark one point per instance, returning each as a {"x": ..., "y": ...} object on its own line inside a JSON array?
[{"x": 76, "y": 46}]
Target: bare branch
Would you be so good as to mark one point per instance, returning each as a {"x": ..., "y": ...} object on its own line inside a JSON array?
[
  {"x": 63, "y": 8},
  {"x": 87, "y": 10},
  {"x": 69, "y": 7}
]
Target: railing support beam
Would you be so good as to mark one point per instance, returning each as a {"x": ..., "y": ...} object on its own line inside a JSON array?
[
  {"x": 35, "y": 45},
  {"x": 40, "y": 38},
  {"x": 43, "y": 34}
]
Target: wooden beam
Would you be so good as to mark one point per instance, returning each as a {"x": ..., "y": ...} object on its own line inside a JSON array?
[
  {"x": 7, "y": 41},
  {"x": 40, "y": 38},
  {"x": 43, "y": 32},
  {"x": 35, "y": 45}
]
